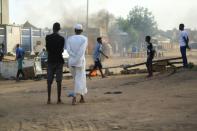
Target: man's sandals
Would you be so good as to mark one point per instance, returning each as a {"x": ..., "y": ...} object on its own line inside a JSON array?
[
  {"x": 74, "y": 101},
  {"x": 82, "y": 100}
]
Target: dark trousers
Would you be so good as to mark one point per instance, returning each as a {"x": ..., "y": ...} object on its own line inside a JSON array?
[
  {"x": 54, "y": 69},
  {"x": 149, "y": 65},
  {"x": 184, "y": 56},
  {"x": 20, "y": 71},
  {"x": 97, "y": 65}
]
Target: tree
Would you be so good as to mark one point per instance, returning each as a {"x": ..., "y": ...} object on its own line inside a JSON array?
[
  {"x": 139, "y": 23},
  {"x": 142, "y": 20}
]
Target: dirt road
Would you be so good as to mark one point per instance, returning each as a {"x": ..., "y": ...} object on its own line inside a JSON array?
[{"x": 162, "y": 103}]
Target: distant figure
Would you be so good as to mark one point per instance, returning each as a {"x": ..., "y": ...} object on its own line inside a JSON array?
[
  {"x": 44, "y": 56},
  {"x": 55, "y": 48},
  {"x": 76, "y": 47},
  {"x": 150, "y": 56},
  {"x": 97, "y": 57},
  {"x": 19, "y": 57},
  {"x": 43, "y": 53},
  {"x": 1, "y": 56},
  {"x": 1, "y": 52},
  {"x": 183, "y": 41}
]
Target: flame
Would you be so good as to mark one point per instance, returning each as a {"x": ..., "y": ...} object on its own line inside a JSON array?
[{"x": 94, "y": 73}]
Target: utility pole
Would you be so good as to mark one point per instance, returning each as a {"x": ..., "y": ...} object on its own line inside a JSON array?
[
  {"x": 1, "y": 11},
  {"x": 87, "y": 22},
  {"x": 87, "y": 17}
]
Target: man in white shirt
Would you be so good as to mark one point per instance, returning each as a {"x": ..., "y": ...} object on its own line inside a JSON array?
[
  {"x": 183, "y": 41},
  {"x": 76, "y": 47}
]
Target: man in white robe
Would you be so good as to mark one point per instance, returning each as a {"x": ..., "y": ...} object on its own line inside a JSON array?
[{"x": 76, "y": 48}]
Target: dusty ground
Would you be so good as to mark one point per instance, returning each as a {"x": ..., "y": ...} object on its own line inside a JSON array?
[{"x": 162, "y": 103}]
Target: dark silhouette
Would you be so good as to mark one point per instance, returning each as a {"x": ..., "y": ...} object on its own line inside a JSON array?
[
  {"x": 150, "y": 56},
  {"x": 55, "y": 48}
]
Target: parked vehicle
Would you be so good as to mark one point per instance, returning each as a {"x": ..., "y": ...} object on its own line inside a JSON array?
[{"x": 44, "y": 57}]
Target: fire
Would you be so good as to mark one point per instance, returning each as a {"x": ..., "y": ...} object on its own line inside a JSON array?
[{"x": 94, "y": 73}]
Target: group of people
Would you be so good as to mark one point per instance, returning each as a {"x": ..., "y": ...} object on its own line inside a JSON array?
[
  {"x": 76, "y": 47},
  {"x": 184, "y": 45}
]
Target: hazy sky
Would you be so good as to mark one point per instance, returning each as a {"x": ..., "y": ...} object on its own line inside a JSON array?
[{"x": 42, "y": 13}]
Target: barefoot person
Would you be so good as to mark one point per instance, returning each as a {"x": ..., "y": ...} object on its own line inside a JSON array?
[
  {"x": 55, "y": 48},
  {"x": 76, "y": 47},
  {"x": 97, "y": 57},
  {"x": 150, "y": 56},
  {"x": 183, "y": 41}
]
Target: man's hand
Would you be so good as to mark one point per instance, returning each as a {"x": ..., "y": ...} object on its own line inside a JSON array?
[
  {"x": 104, "y": 55},
  {"x": 188, "y": 47}
]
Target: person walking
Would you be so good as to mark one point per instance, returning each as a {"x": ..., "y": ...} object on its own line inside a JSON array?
[
  {"x": 76, "y": 48},
  {"x": 98, "y": 51},
  {"x": 20, "y": 57},
  {"x": 55, "y": 48}
]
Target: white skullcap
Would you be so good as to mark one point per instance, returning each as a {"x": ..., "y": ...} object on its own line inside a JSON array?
[{"x": 78, "y": 27}]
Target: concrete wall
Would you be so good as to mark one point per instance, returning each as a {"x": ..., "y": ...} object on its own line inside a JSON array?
[
  {"x": 13, "y": 37},
  {"x": 9, "y": 69}
]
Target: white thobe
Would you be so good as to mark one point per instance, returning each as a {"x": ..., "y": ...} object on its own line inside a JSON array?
[{"x": 76, "y": 48}]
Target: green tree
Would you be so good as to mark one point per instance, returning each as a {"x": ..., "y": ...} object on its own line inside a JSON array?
[
  {"x": 139, "y": 23},
  {"x": 142, "y": 20}
]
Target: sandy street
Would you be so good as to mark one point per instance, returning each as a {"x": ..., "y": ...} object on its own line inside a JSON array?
[
  {"x": 166, "y": 102},
  {"x": 162, "y": 103},
  {"x": 149, "y": 58}
]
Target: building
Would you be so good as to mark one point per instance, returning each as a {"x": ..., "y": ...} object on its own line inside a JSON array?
[
  {"x": 10, "y": 35},
  {"x": 4, "y": 11},
  {"x": 4, "y": 21}
]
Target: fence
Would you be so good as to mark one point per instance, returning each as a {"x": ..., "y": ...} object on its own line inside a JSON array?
[
  {"x": 30, "y": 38},
  {"x": 158, "y": 54}
]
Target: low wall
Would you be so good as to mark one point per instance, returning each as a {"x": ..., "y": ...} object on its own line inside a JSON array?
[{"x": 9, "y": 68}]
